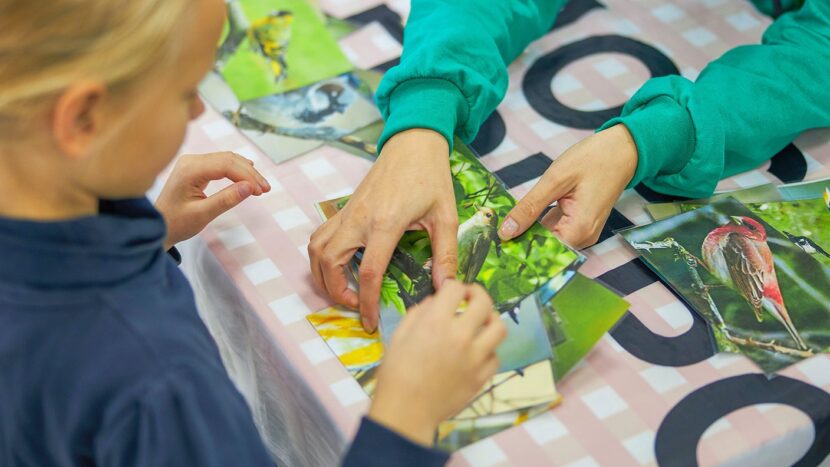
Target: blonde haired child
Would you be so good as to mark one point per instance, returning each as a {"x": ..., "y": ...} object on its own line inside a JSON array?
[{"x": 103, "y": 359}]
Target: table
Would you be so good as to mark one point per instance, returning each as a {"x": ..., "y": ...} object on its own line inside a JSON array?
[{"x": 652, "y": 392}]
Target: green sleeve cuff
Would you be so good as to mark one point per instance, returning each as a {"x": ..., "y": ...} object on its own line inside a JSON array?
[
  {"x": 664, "y": 134},
  {"x": 432, "y": 103}
]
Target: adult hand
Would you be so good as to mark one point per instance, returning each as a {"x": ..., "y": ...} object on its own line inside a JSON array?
[
  {"x": 586, "y": 181},
  {"x": 183, "y": 202},
  {"x": 437, "y": 361},
  {"x": 408, "y": 188}
]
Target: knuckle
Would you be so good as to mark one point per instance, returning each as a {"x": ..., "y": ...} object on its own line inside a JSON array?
[
  {"x": 313, "y": 248},
  {"x": 528, "y": 208},
  {"x": 368, "y": 274},
  {"x": 594, "y": 237},
  {"x": 230, "y": 200},
  {"x": 317, "y": 243},
  {"x": 328, "y": 259},
  {"x": 445, "y": 259},
  {"x": 226, "y": 161}
]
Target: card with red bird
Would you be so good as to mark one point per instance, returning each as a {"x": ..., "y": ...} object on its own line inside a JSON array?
[
  {"x": 804, "y": 222},
  {"x": 762, "y": 295}
]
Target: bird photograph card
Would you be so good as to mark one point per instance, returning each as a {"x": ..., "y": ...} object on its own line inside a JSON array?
[
  {"x": 454, "y": 434},
  {"x": 361, "y": 354},
  {"x": 756, "y": 194},
  {"x": 510, "y": 271},
  {"x": 357, "y": 350},
  {"x": 576, "y": 318},
  {"x": 274, "y": 46},
  {"x": 289, "y": 124},
  {"x": 807, "y": 190},
  {"x": 762, "y": 295},
  {"x": 803, "y": 222}
]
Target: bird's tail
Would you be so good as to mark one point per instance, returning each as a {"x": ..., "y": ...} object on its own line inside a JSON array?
[{"x": 781, "y": 314}]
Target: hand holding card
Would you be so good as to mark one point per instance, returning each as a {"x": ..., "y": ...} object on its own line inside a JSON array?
[{"x": 418, "y": 386}]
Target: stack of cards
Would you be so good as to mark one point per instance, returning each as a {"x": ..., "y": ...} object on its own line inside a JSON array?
[
  {"x": 281, "y": 79},
  {"x": 554, "y": 316},
  {"x": 758, "y": 272}
]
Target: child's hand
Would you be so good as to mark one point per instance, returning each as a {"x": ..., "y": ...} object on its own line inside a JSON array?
[
  {"x": 437, "y": 361},
  {"x": 183, "y": 203},
  {"x": 586, "y": 181}
]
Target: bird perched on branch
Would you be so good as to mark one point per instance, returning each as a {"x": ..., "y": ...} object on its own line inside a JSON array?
[
  {"x": 737, "y": 254},
  {"x": 305, "y": 113},
  {"x": 475, "y": 236},
  {"x": 270, "y": 36},
  {"x": 806, "y": 244}
]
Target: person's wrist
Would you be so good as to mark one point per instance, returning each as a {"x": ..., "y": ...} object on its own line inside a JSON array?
[
  {"x": 423, "y": 140},
  {"x": 404, "y": 418},
  {"x": 626, "y": 149},
  {"x": 168, "y": 241}
]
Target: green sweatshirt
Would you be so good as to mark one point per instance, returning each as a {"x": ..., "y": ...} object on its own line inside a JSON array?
[{"x": 742, "y": 109}]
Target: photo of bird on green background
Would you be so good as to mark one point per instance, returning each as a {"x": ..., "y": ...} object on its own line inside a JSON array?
[
  {"x": 803, "y": 222},
  {"x": 510, "y": 271},
  {"x": 273, "y": 46},
  {"x": 762, "y": 295},
  {"x": 270, "y": 36}
]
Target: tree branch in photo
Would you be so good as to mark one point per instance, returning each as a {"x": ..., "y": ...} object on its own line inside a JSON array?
[
  {"x": 692, "y": 262},
  {"x": 238, "y": 25}
]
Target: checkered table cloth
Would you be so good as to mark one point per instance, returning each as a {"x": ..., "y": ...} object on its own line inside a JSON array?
[{"x": 650, "y": 393}]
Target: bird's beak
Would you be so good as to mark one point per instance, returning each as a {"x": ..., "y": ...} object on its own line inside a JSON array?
[{"x": 736, "y": 220}]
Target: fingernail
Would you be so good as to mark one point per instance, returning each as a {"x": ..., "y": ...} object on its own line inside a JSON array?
[
  {"x": 265, "y": 185},
  {"x": 367, "y": 325},
  {"x": 508, "y": 228},
  {"x": 245, "y": 190}
]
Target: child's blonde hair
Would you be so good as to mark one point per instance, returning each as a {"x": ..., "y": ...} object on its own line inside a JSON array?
[{"x": 47, "y": 45}]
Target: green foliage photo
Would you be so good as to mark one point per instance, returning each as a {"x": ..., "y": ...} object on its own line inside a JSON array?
[
  {"x": 273, "y": 46},
  {"x": 509, "y": 271},
  {"x": 576, "y": 318},
  {"x": 805, "y": 222}
]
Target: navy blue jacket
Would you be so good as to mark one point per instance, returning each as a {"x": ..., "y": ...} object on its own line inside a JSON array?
[{"x": 105, "y": 362}]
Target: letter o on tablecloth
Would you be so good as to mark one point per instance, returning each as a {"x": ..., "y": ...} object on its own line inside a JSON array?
[
  {"x": 536, "y": 83},
  {"x": 684, "y": 425}
]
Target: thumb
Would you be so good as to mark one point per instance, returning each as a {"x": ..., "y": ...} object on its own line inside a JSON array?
[
  {"x": 549, "y": 189},
  {"x": 229, "y": 197}
]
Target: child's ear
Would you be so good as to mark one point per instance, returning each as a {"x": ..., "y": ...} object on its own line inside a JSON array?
[{"x": 78, "y": 118}]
